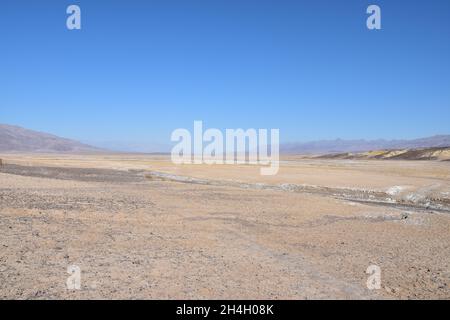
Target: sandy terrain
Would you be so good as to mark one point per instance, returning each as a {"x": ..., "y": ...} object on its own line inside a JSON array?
[{"x": 140, "y": 227}]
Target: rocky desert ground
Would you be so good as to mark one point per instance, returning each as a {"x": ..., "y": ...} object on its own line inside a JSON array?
[{"x": 140, "y": 227}]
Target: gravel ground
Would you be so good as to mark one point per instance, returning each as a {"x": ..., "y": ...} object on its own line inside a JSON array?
[{"x": 138, "y": 238}]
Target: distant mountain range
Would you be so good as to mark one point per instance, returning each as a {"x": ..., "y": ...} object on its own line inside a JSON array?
[
  {"x": 15, "y": 139},
  {"x": 340, "y": 146}
]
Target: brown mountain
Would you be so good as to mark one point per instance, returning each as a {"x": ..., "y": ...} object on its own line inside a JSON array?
[{"x": 14, "y": 139}]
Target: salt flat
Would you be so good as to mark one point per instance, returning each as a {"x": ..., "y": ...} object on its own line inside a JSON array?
[{"x": 139, "y": 226}]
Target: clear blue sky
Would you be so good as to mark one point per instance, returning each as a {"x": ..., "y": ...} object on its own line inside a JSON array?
[{"x": 139, "y": 69}]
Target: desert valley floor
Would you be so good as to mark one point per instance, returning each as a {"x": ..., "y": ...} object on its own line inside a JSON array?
[{"x": 140, "y": 227}]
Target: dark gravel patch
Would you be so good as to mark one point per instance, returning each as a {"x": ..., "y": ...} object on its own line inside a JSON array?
[{"x": 77, "y": 174}]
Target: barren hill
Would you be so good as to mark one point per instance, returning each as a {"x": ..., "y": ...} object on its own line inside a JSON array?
[
  {"x": 361, "y": 145},
  {"x": 14, "y": 139},
  {"x": 437, "y": 153}
]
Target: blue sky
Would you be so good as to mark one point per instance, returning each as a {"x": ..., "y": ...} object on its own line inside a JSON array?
[{"x": 139, "y": 69}]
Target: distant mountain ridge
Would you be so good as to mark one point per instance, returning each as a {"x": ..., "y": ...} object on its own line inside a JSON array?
[
  {"x": 339, "y": 145},
  {"x": 15, "y": 139}
]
